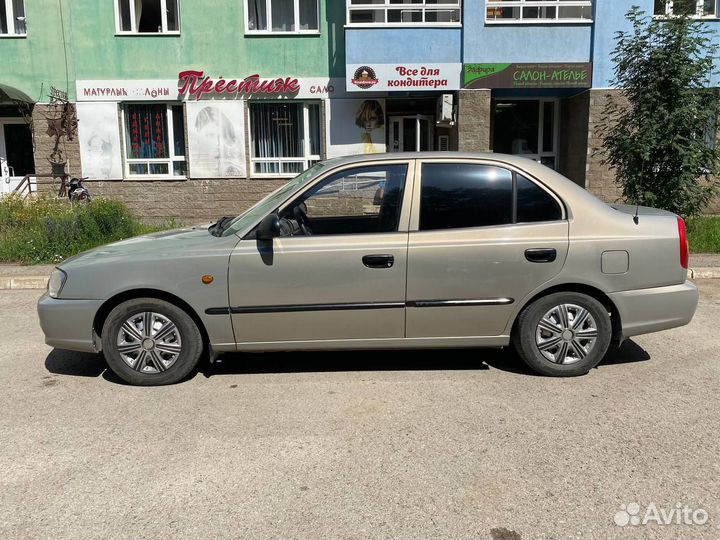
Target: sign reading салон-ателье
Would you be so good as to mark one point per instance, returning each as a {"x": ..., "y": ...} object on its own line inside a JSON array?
[{"x": 552, "y": 75}]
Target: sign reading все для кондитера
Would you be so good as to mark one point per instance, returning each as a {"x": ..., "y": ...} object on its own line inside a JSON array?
[
  {"x": 402, "y": 77},
  {"x": 547, "y": 75}
]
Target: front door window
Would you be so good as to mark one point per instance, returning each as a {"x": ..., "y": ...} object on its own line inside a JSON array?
[
  {"x": 411, "y": 133},
  {"x": 527, "y": 127},
  {"x": 361, "y": 200}
]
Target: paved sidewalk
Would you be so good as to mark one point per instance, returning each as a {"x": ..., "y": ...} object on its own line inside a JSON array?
[{"x": 16, "y": 276}]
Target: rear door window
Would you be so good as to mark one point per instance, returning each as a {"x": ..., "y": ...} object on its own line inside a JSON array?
[
  {"x": 461, "y": 195},
  {"x": 464, "y": 195}
]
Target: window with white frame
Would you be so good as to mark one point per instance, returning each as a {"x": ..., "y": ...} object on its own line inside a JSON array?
[
  {"x": 282, "y": 16},
  {"x": 12, "y": 18},
  {"x": 538, "y": 11},
  {"x": 404, "y": 12},
  {"x": 147, "y": 16},
  {"x": 285, "y": 137},
  {"x": 691, "y": 8},
  {"x": 154, "y": 139}
]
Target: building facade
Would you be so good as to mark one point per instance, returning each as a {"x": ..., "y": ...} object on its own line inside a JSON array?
[{"x": 192, "y": 110}]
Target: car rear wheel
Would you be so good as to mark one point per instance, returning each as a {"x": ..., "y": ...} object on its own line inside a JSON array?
[
  {"x": 563, "y": 334},
  {"x": 150, "y": 342}
]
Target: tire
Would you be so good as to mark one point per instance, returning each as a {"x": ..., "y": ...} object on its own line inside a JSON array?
[
  {"x": 582, "y": 353},
  {"x": 145, "y": 360}
]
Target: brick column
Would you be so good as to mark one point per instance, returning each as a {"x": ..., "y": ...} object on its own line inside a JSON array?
[
  {"x": 573, "y": 140},
  {"x": 44, "y": 143},
  {"x": 473, "y": 119},
  {"x": 599, "y": 178}
]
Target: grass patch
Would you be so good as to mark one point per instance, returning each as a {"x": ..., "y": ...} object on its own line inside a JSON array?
[
  {"x": 704, "y": 234},
  {"x": 47, "y": 230}
]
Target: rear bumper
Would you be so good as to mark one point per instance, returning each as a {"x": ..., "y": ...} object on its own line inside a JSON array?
[
  {"x": 643, "y": 311},
  {"x": 68, "y": 324}
]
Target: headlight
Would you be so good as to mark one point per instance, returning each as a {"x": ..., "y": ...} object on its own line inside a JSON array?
[{"x": 56, "y": 282}]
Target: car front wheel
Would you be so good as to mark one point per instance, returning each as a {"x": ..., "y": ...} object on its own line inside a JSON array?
[
  {"x": 150, "y": 342},
  {"x": 563, "y": 334}
]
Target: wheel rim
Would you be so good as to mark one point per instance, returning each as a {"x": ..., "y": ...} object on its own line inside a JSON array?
[
  {"x": 566, "y": 334},
  {"x": 149, "y": 342}
]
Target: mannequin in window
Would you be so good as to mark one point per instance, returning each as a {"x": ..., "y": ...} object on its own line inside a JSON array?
[{"x": 370, "y": 116}]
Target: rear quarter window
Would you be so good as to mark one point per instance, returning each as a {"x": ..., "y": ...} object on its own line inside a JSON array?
[{"x": 534, "y": 203}]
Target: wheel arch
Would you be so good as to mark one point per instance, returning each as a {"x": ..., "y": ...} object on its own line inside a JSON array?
[
  {"x": 157, "y": 294},
  {"x": 582, "y": 288}
]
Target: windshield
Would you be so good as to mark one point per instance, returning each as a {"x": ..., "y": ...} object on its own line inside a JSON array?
[{"x": 263, "y": 207}]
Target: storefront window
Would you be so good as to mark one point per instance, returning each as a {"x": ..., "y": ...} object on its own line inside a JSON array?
[
  {"x": 392, "y": 12},
  {"x": 282, "y": 16},
  {"x": 286, "y": 137},
  {"x": 691, "y": 8},
  {"x": 154, "y": 140},
  {"x": 12, "y": 18},
  {"x": 527, "y": 127},
  {"x": 533, "y": 11},
  {"x": 147, "y": 16}
]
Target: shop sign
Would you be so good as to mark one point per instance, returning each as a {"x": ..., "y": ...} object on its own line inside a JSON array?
[
  {"x": 553, "y": 75},
  {"x": 195, "y": 85},
  {"x": 402, "y": 77}
]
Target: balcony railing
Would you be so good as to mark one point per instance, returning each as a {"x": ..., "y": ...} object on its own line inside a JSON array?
[
  {"x": 538, "y": 11},
  {"x": 404, "y": 13}
]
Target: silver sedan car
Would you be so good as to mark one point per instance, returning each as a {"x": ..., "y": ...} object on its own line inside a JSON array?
[{"x": 421, "y": 250}]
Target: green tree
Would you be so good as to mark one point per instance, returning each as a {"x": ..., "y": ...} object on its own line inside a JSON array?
[{"x": 657, "y": 136}]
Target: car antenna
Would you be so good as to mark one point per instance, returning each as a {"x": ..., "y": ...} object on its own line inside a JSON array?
[{"x": 636, "y": 217}]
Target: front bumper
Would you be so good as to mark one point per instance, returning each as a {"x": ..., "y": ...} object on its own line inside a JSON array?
[
  {"x": 68, "y": 324},
  {"x": 643, "y": 311}
]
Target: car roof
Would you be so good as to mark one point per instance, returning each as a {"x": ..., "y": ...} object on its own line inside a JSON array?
[{"x": 360, "y": 158}]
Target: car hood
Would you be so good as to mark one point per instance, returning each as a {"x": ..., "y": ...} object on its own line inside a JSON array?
[{"x": 159, "y": 245}]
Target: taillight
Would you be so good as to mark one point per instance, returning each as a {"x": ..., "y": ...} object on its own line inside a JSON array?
[{"x": 684, "y": 246}]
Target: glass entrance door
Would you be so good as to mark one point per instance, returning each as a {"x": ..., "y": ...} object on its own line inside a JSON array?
[
  {"x": 16, "y": 153},
  {"x": 411, "y": 133},
  {"x": 527, "y": 127}
]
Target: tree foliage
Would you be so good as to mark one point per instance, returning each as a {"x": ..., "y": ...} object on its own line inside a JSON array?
[{"x": 657, "y": 137}]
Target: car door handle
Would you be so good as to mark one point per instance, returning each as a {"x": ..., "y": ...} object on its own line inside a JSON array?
[
  {"x": 378, "y": 261},
  {"x": 540, "y": 255}
]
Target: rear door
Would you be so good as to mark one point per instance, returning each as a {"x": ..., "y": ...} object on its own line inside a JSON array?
[{"x": 482, "y": 236}]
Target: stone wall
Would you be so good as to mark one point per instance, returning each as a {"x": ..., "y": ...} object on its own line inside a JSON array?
[
  {"x": 473, "y": 119},
  {"x": 599, "y": 178},
  {"x": 572, "y": 153},
  {"x": 45, "y": 143},
  {"x": 188, "y": 201}
]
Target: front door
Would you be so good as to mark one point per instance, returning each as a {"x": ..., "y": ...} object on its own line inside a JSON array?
[
  {"x": 338, "y": 270},
  {"x": 485, "y": 237},
  {"x": 16, "y": 153},
  {"x": 411, "y": 133}
]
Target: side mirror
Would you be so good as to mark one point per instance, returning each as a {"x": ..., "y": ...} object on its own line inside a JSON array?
[{"x": 269, "y": 227}]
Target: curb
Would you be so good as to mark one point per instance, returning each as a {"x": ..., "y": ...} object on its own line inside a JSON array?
[
  {"x": 26, "y": 282},
  {"x": 704, "y": 273},
  {"x": 40, "y": 282}
]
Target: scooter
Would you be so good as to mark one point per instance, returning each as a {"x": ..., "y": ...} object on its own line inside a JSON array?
[{"x": 77, "y": 192}]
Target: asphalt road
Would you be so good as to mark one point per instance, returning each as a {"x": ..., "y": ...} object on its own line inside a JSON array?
[{"x": 338, "y": 445}]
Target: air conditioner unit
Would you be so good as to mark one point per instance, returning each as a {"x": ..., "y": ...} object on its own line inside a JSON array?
[
  {"x": 444, "y": 113},
  {"x": 443, "y": 143}
]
